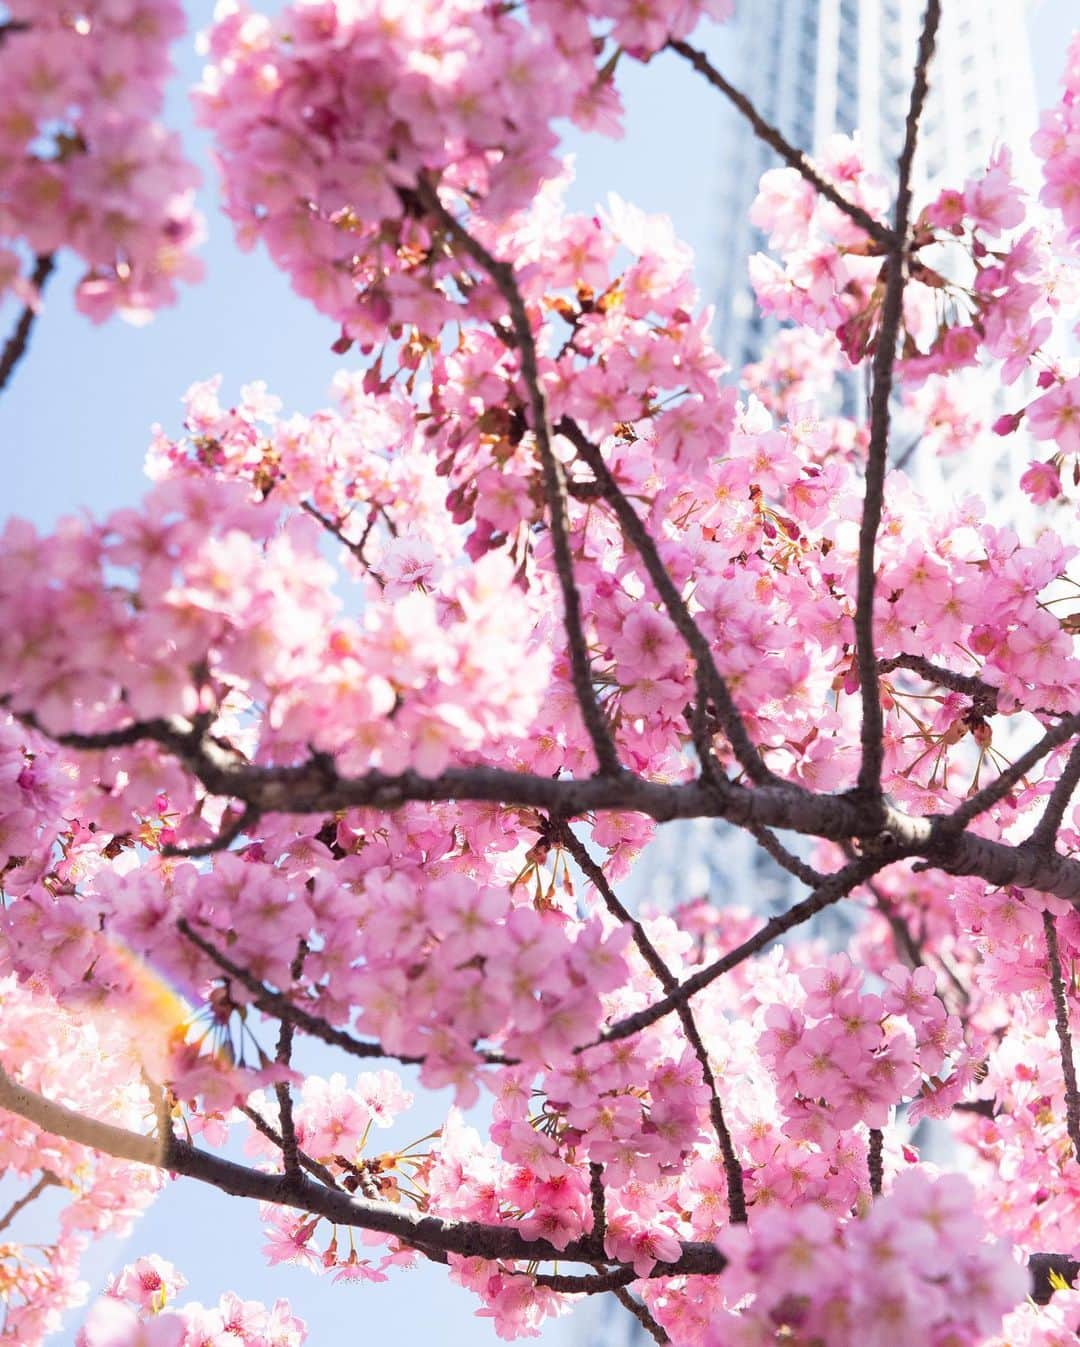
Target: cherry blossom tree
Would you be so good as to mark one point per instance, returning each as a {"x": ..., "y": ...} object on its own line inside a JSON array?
[{"x": 354, "y": 729}]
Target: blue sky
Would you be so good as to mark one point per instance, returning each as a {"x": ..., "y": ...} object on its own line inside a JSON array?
[{"x": 74, "y": 426}]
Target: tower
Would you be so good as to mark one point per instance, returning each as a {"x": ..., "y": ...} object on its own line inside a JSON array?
[{"x": 815, "y": 68}]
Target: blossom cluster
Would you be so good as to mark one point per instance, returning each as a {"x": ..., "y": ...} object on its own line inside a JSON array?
[
  {"x": 331, "y": 119},
  {"x": 83, "y": 165},
  {"x": 895, "y": 1275},
  {"x": 88, "y": 1064},
  {"x": 846, "y": 1056},
  {"x": 137, "y": 1311}
]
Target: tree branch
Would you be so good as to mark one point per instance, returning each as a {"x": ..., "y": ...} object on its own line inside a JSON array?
[
  {"x": 502, "y": 273},
  {"x": 1064, "y": 788},
  {"x": 772, "y": 137},
  {"x": 278, "y": 1006},
  {"x": 48, "y": 1180},
  {"x": 312, "y": 1166},
  {"x": 871, "y": 735},
  {"x": 642, "y": 1314},
  {"x": 573, "y": 1284},
  {"x": 314, "y": 787},
  {"x": 597, "y": 1200},
  {"x": 469, "y": 1238},
  {"x": 639, "y": 538},
  {"x": 16, "y": 345},
  {"x": 1041, "y": 1265},
  {"x": 982, "y": 694},
  {"x": 1061, "y": 1022},
  {"x": 997, "y": 789},
  {"x": 770, "y": 843},
  {"x": 289, "y": 1147},
  {"x": 420, "y": 1230},
  {"x": 835, "y": 887},
  {"x": 736, "y": 1194},
  {"x": 247, "y": 818},
  {"x": 874, "y": 1160},
  {"x": 356, "y": 548}
]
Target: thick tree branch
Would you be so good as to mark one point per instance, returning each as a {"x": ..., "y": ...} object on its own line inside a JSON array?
[
  {"x": 469, "y": 1238},
  {"x": 871, "y": 736},
  {"x": 16, "y": 345},
  {"x": 736, "y": 1195},
  {"x": 502, "y": 273},
  {"x": 314, "y": 787},
  {"x": 1061, "y": 1023},
  {"x": 417, "y": 1229},
  {"x": 575, "y": 1284},
  {"x": 772, "y": 137},
  {"x": 1041, "y": 1265},
  {"x": 639, "y": 538}
]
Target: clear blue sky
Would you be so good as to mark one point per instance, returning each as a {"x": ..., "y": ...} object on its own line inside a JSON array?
[{"x": 74, "y": 428}]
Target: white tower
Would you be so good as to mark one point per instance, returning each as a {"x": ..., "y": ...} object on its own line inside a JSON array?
[{"x": 814, "y": 68}]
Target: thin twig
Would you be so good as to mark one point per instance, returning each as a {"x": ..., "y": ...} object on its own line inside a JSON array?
[
  {"x": 1046, "y": 829},
  {"x": 791, "y": 156},
  {"x": 642, "y": 1314},
  {"x": 769, "y": 842},
  {"x": 281, "y": 1008},
  {"x": 905, "y": 944},
  {"x": 16, "y": 345},
  {"x": 502, "y": 274},
  {"x": 356, "y": 548},
  {"x": 1003, "y": 783},
  {"x": 313, "y": 1167},
  {"x": 736, "y": 1194},
  {"x": 1061, "y": 1021},
  {"x": 871, "y": 733},
  {"x": 835, "y": 887},
  {"x": 48, "y": 1180},
  {"x": 222, "y": 841},
  {"x": 640, "y": 539},
  {"x": 597, "y": 1200},
  {"x": 289, "y": 1147}
]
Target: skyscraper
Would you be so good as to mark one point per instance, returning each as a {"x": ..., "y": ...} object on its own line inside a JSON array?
[{"x": 815, "y": 68}]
